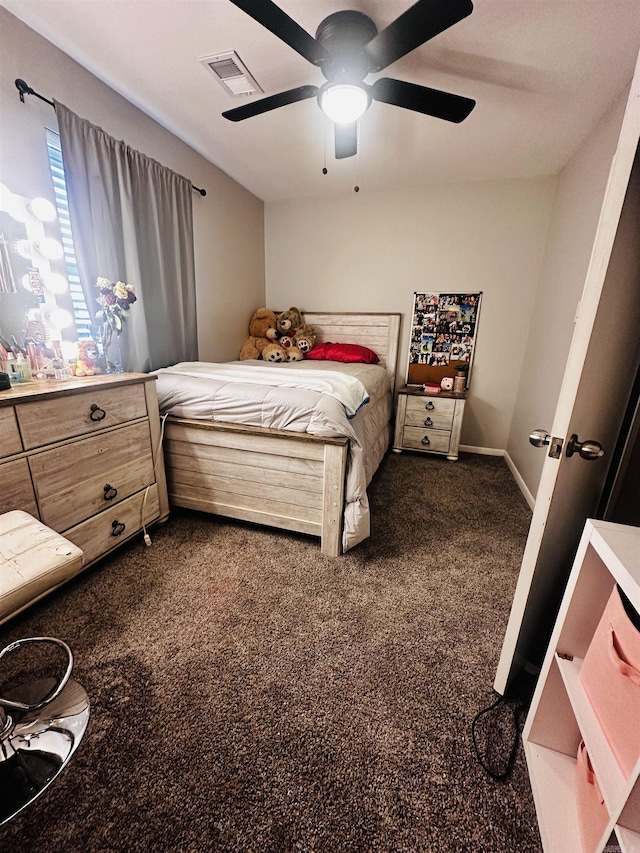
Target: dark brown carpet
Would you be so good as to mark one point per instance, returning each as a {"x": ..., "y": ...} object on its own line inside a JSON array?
[{"x": 250, "y": 695}]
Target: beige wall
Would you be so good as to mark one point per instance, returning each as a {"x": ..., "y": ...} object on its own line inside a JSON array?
[
  {"x": 572, "y": 230},
  {"x": 371, "y": 251},
  {"x": 228, "y": 222}
]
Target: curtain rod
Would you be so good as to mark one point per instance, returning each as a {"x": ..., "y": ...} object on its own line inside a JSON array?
[{"x": 24, "y": 89}]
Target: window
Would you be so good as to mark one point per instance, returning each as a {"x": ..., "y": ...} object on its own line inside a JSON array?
[{"x": 80, "y": 310}]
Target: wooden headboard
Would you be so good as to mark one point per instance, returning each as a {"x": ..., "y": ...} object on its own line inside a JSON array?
[{"x": 379, "y": 332}]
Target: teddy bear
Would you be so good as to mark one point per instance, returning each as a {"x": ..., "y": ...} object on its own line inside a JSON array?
[
  {"x": 87, "y": 358},
  {"x": 275, "y": 353},
  {"x": 293, "y": 335},
  {"x": 288, "y": 323},
  {"x": 262, "y": 331}
]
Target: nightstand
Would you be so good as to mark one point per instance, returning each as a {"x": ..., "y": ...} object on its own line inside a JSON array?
[{"x": 430, "y": 423}]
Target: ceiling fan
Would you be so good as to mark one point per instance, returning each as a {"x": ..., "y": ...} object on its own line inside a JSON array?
[{"x": 347, "y": 47}]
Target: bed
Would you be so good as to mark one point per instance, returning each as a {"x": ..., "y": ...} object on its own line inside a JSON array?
[{"x": 296, "y": 458}]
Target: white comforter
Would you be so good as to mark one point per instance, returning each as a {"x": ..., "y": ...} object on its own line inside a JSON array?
[
  {"x": 343, "y": 387},
  {"x": 319, "y": 398}
]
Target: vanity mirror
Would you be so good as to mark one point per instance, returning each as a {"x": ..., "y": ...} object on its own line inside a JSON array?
[{"x": 35, "y": 303}]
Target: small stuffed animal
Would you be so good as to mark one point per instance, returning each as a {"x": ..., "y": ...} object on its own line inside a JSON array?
[
  {"x": 288, "y": 322},
  {"x": 274, "y": 352},
  {"x": 299, "y": 344},
  {"x": 87, "y": 357},
  {"x": 262, "y": 331}
]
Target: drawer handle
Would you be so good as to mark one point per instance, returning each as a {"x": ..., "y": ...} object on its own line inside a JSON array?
[
  {"x": 117, "y": 528},
  {"x": 109, "y": 492},
  {"x": 428, "y": 422},
  {"x": 426, "y": 440},
  {"x": 429, "y": 407},
  {"x": 99, "y": 413}
]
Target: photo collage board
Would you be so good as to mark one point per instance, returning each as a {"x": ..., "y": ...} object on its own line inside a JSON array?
[{"x": 443, "y": 335}]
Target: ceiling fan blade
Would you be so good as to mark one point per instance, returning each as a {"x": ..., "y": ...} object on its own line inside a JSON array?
[
  {"x": 421, "y": 22},
  {"x": 346, "y": 139},
  {"x": 264, "y": 105},
  {"x": 281, "y": 25},
  {"x": 422, "y": 99}
]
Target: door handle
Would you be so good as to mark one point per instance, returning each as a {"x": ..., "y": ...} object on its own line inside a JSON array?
[
  {"x": 587, "y": 449},
  {"x": 540, "y": 438}
]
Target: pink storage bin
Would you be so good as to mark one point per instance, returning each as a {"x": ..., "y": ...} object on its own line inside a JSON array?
[
  {"x": 610, "y": 675},
  {"x": 592, "y": 812}
]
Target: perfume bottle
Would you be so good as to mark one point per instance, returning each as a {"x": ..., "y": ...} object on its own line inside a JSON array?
[{"x": 23, "y": 368}]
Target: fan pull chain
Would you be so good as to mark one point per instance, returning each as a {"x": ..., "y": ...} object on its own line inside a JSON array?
[
  {"x": 356, "y": 189},
  {"x": 324, "y": 168}
]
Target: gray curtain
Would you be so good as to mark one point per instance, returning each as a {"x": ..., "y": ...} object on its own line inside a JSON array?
[{"x": 132, "y": 221}]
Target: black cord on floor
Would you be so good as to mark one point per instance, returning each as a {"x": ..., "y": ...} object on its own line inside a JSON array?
[{"x": 513, "y": 706}]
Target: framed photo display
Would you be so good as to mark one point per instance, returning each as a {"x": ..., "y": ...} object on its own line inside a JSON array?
[{"x": 443, "y": 335}]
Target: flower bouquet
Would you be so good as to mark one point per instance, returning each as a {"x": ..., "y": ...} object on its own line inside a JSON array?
[{"x": 115, "y": 300}]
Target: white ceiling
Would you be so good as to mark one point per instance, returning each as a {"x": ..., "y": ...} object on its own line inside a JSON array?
[{"x": 542, "y": 72}]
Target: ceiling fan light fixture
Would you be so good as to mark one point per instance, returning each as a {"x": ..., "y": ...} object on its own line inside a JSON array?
[{"x": 343, "y": 103}]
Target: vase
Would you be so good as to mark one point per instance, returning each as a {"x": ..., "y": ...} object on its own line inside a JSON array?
[{"x": 113, "y": 356}]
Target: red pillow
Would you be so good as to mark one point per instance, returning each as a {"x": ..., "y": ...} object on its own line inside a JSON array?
[{"x": 343, "y": 352}]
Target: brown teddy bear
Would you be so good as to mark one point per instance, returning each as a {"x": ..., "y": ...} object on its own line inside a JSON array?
[
  {"x": 288, "y": 323},
  {"x": 275, "y": 353},
  {"x": 262, "y": 331}
]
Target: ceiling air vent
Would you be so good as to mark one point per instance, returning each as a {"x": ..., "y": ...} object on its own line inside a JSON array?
[{"x": 231, "y": 72}]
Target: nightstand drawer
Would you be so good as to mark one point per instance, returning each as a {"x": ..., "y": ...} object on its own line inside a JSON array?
[
  {"x": 45, "y": 422},
  {"x": 75, "y": 481},
  {"x": 10, "y": 441},
  {"x": 431, "y": 413},
  {"x": 414, "y": 438},
  {"x": 111, "y": 528}
]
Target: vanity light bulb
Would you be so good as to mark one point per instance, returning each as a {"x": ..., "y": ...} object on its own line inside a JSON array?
[
  {"x": 50, "y": 248},
  {"x": 56, "y": 283},
  {"x": 26, "y": 281},
  {"x": 17, "y": 208},
  {"x": 60, "y": 318},
  {"x": 42, "y": 209},
  {"x": 69, "y": 350},
  {"x": 23, "y": 249}
]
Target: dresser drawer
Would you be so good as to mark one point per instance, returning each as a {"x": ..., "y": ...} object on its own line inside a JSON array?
[
  {"x": 426, "y": 439},
  {"x": 111, "y": 528},
  {"x": 431, "y": 412},
  {"x": 74, "y": 481},
  {"x": 48, "y": 421},
  {"x": 16, "y": 491},
  {"x": 10, "y": 441}
]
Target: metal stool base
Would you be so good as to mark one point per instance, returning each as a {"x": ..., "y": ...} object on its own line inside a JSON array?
[{"x": 36, "y": 745}]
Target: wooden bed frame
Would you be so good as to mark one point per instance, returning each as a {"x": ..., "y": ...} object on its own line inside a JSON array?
[{"x": 223, "y": 468}]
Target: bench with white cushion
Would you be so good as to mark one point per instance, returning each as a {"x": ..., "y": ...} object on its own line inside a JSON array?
[{"x": 34, "y": 560}]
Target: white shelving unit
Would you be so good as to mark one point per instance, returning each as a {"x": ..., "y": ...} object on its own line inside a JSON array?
[{"x": 561, "y": 714}]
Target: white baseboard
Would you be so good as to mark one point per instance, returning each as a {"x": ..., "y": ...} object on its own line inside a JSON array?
[
  {"x": 494, "y": 451},
  {"x": 483, "y": 451},
  {"x": 529, "y": 498}
]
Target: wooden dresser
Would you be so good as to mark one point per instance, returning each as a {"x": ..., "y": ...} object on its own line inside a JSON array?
[
  {"x": 85, "y": 457},
  {"x": 430, "y": 423}
]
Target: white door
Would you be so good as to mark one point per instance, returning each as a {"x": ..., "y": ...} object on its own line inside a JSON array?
[{"x": 600, "y": 369}]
